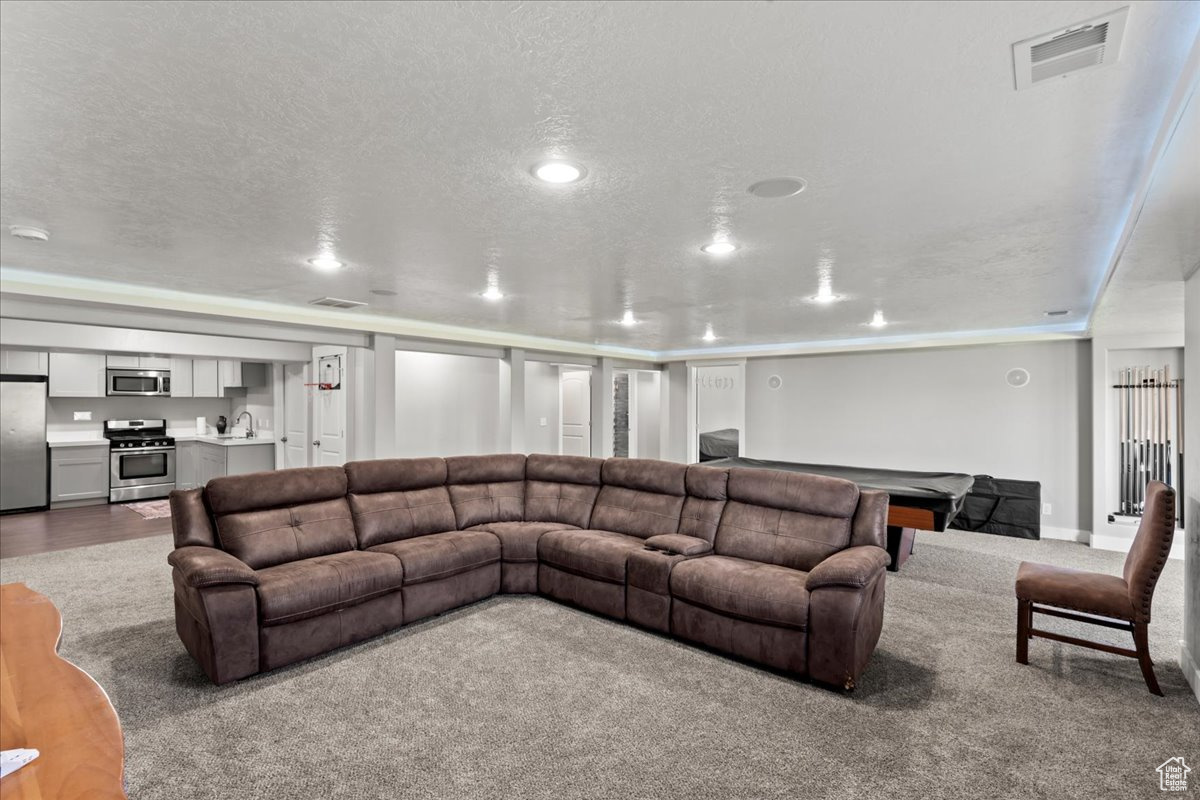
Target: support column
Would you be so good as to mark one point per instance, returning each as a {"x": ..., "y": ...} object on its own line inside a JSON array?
[
  {"x": 602, "y": 408},
  {"x": 675, "y": 412},
  {"x": 512, "y": 402},
  {"x": 383, "y": 362}
]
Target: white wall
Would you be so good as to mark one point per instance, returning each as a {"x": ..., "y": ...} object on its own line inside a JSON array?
[
  {"x": 1190, "y": 657},
  {"x": 260, "y": 402},
  {"x": 541, "y": 402},
  {"x": 649, "y": 412},
  {"x": 179, "y": 412},
  {"x": 944, "y": 410},
  {"x": 446, "y": 405}
]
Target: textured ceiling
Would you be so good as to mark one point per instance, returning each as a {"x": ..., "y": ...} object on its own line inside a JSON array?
[
  {"x": 213, "y": 147},
  {"x": 1146, "y": 291}
]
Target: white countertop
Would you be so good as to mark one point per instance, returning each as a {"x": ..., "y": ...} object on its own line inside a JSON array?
[{"x": 95, "y": 439}]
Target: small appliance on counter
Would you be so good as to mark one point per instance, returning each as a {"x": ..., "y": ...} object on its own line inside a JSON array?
[{"x": 141, "y": 460}]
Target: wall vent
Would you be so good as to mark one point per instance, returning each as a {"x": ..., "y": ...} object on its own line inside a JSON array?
[
  {"x": 333, "y": 302},
  {"x": 1068, "y": 51}
]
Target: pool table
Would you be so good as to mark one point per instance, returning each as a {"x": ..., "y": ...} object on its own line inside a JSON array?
[{"x": 917, "y": 500}]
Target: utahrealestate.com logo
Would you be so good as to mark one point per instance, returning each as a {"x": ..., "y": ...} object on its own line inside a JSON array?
[{"x": 1172, "y": 775}]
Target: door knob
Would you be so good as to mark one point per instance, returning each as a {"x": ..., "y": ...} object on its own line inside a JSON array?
[
  {"x": 317, "y": 443},
  {"x": 283, "y": 439}
]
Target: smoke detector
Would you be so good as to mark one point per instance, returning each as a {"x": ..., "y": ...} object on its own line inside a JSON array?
[
  {"x": 29, "y": 233},
  {"x": 334, "y": 302},
  {"x": 1067, "y": 51},
  {"x": 1017, "y": 377}
]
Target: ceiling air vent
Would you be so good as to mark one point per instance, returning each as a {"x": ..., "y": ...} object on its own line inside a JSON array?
[
  {"x": 1065, "y": 52},
  {"x": 333, "y": 302}
]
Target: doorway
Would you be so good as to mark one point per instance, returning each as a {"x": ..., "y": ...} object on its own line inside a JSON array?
[
  {"x": 575, "y": 393},
  {"x": 720, "y": 412}
]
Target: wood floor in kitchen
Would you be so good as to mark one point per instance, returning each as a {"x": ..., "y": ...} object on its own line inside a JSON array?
[{"x": 44, "y": 531}]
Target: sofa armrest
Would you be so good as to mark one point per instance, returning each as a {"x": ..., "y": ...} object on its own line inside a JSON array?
[
  {"x": 208, "y": 566},
  {"x": 854, "y": 567},
  {"x": 679, "y": 544}
]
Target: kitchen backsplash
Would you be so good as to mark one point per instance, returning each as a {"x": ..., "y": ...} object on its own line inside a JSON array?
[{"x": 179, "y": 412}]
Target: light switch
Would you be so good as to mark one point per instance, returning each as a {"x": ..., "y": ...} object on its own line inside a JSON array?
[
  {"x": 83, "y": 416},
  {"x": 1046, "y": 509},
  {"x": 542, "y": 422}
]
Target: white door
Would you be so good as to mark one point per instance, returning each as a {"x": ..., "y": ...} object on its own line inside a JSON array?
[
  {"x": 576, "y": 389},
  {"x": 329, "y": 408},
  {"x": 296, "y": 443}
]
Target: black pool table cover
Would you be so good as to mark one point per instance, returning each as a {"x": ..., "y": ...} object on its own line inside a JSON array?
[{"x": 942, "y": 493}]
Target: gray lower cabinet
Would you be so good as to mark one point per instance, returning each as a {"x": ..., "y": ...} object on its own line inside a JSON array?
[
  {"x": 250, "y": 458},
  {"x": 185, "y": 465},
  {"x": 210, "y": 462},
  {"x": 79, "y": 473}
]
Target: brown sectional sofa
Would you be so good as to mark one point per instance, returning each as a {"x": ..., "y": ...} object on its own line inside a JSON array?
[{"x": 783, "y": 569}]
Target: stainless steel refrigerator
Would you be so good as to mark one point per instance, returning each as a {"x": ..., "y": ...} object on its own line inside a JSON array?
[{"x": 23, "y": 478}]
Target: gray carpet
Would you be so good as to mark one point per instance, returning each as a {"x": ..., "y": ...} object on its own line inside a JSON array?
[{"x": 520, "y": 697}]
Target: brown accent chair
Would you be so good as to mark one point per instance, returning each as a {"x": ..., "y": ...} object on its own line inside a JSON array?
[
  {"x": 779, "y": 568},
  {"x": 1122, "y": 602}
]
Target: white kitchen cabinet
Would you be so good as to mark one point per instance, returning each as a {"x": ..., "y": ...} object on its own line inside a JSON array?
[
  {"x": 138, "y": 362},
  {"x": 244, "y": 458},
  {"x": 205, "y": 380},
  {"x": 77, "y": 374},
  {"x": 79, "y": 473},
  {"x": 186, "y": 454},
  {"x": 210, "y": 462},
  {"x": 122, "y": 362},
  {"x": 154, "y": 362},
  {"x": 24, "y": 362},
  {"x": 231, "y": 375},
  {"x": 181, "y": 377}
]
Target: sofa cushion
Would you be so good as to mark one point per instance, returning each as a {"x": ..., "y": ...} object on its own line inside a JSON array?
[
  {"x": 706, "y": 495},
  {"x": 314, "y": 586},
  {"x": 640, "y": 497},
  {"x": 561, "y": 488},
  {"x": 789, "y": 519},
  {"x": 519, "y": 540},
  {"x": 748, "y": 590},
  {"x": 278, "y": 489},
  {"x": 398, "y": 498},
  {"x": 277, "y": 535},
  {"x": 486, "y": 488},
  {"x": 441, "y": 555},
  {"x": 599, "y": 555}
]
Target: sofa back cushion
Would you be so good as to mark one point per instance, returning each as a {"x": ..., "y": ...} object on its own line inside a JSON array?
[
  {"x": 269, "y": 518},
  {"x": 790, "y": 519},
  {"x": 398, "y": 498},
  {"x": 706, "y": 495},
  {"x": 640, "y": 497},
  {"x": 486, "y": 488},
  {"x": 561, "y": 488}
]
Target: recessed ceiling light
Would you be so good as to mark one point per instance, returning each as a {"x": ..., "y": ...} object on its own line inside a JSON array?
[
  {"x": 628, "y": 321},
  {"x": 29, "y": 233},
  {"x": 558, "y": 172},
  {"x": 1060, "y": 313},
  {"x": 326, "y": 262},
  {"x": 492, "y": 294},
  {"x": 878, "y": 321},
  {"x": 719, "y": 248},
  {"x": 709, "y": 336},
  {"x": 825, "y": 295},
  {"x": 384, "y": 292},
  {"x": 773, "y": 188}
]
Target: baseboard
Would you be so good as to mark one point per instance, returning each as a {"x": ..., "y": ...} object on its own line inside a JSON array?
[
  {"x": 1191, "y": 670},
  {"x": 1121, "y": 544},
  {"x": 1066, "y": 534}
]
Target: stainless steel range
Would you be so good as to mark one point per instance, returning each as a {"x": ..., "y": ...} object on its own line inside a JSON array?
[{"x": 141, "y": 459}]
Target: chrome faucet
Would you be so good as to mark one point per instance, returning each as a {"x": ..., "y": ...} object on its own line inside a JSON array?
[{"x": 250, "y": 427}]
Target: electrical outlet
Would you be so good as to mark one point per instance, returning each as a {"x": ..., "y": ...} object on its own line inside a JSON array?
[
  {"x": 542, "y": 421},
  {"x": 1047, "y": 509},
  {"x": 83, "y": 416}
]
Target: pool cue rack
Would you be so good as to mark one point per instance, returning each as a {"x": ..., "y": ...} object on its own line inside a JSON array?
[{"x": 1150, "y": 431}]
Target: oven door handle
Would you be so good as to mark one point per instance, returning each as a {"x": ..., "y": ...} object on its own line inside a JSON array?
[{"x": 132, "y": 451}]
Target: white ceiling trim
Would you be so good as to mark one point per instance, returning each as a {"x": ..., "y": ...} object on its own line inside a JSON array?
[
  {"x": 1178, "y": 103},
  {"x": 17, "y": 282}
]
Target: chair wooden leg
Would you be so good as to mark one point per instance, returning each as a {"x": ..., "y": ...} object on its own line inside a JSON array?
[
  {"x": 1024, "y": 623},
  {"x": 1142, "y": 641}
]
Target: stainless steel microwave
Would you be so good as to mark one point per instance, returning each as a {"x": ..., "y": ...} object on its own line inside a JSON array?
[{"x": 139, "y": 382}]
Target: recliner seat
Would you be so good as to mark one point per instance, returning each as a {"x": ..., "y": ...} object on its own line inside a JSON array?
[{"x": 783, "y": 569}]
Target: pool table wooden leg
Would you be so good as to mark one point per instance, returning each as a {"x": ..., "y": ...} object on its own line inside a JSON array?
[{"x": 899, "y": 545}]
